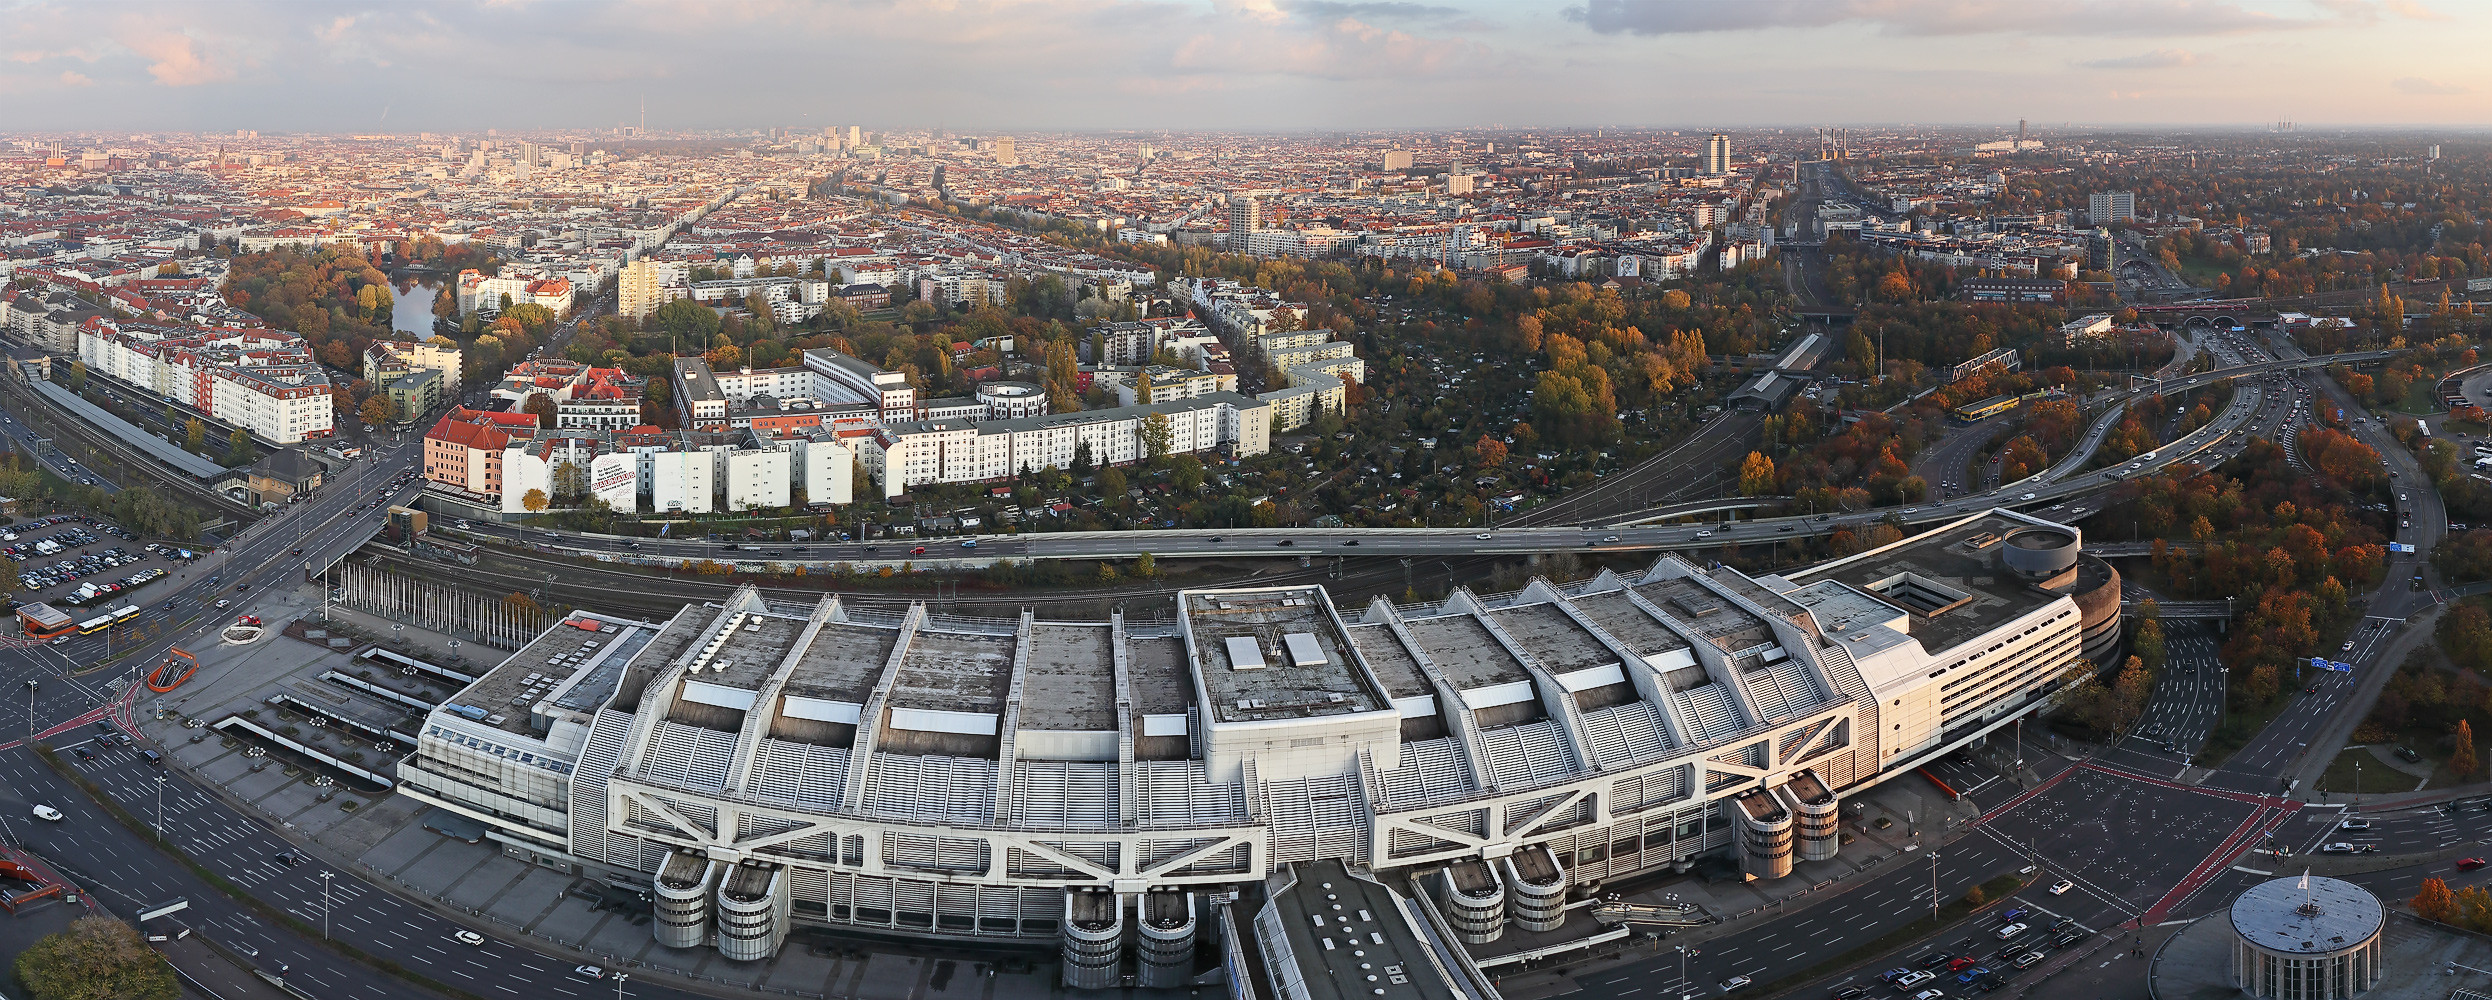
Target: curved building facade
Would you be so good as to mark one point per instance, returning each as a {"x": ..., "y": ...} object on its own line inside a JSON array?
[
  {"x": 2307, "y": 938},
  {"x": 911, "y": 773},
  {"x": 1012, "y": 400}
]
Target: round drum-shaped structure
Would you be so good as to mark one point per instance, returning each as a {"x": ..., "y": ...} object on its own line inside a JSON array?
[
  {"x": 1012, "y": 400},
  {"x": 2306, "y": 938},
  {"x": 2040, "y": 553}
]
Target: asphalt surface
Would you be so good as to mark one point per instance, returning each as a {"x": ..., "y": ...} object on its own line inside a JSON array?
[{"x": 2061, "y": 492}]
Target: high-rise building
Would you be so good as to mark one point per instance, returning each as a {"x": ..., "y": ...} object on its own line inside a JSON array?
[
  {"x": 2106, "y": 207},
  {"x": 1004, "y": 154},
  {"x": 1397, "y": 159},
  {"x": 2102, "y": 251},
  {"x": 637, "y": 289},
  {"x": 856, "y": 136},
  {"x": 1245, "y": 216},
  {"x": 1717, "y": 155}
]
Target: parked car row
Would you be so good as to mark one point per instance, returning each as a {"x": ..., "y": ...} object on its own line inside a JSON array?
[{"x": 71, "y": 570}]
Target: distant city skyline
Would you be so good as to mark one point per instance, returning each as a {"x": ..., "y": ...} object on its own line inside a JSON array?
[{"x": 1260, "y": 65}]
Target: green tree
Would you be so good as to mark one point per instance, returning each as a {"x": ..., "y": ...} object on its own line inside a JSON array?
[
  {"x": 1146, "y": 566},
  {"x": 1156, "y": 435},
  {"x": 543, "y": 406},
  {"x": 239, "y": 450},
  {"x": 194, "y": 434},
  {"x": 690, "y": 322},
  {"x": 1112, "y": 484},
  {"x": 77, "y": 376},
  {"x": 96, "y": 958}
]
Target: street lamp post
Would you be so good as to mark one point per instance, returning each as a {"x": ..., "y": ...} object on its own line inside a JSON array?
[
  {"x": 324, "y": 903},
  {"x": 160, "y": 782},
  {"x": 1933, "y": 886},
  {"x": 619, "y": 979}
]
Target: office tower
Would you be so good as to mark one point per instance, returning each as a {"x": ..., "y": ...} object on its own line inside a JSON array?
[
  {"x": 2020, "y": 135},
  {"x": 1245, "y": 216},
  {"x": 1718, "y": 155},
  {"x": 1004, "y": 155},
  {"x": 2106, "y": 207},
  {"x": 856, "y": 136}
]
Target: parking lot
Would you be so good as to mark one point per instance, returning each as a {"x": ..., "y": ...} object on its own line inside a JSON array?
[{"x": 72, "y": 561}]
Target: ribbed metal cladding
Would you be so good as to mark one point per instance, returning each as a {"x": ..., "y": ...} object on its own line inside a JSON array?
[
  {"x": 752, "y": 911},
  {"x": 1164, "y": 946},
  {"x": 1817, "y": 817},
  {"x": 1475, "y": 901},
  {"x": 1764, "y": 833},
  {"x": 680, "y": 911},
  {"x": 1536, "y": 884},
  {"x": 1094, "y": 940}
]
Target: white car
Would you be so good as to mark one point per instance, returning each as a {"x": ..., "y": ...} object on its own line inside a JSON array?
[
  {"x": 588, "y": 972},
  {"x": 467, "y": 937},
  {"x": 2029, "y": 496},
  {"x": 47, "y": 814},
  {"x": 1706, "y": 533},
  {"x": 2010, "y": 931},
  {"x": 2061, "y": 887},
  {"x": 1482, "y": 536}
]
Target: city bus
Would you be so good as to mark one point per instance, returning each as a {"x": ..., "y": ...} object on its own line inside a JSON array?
[{"x": 107, "y": 620}]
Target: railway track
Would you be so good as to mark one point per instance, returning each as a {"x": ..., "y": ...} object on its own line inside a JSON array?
[{"x": 1661, "y": 479}]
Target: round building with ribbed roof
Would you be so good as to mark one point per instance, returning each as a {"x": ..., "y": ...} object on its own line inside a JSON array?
[{"x": 2306, "y": 938}]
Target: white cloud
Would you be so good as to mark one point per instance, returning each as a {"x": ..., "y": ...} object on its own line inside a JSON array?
[
  {"x": 2429, "y": 88},
  {"x": 2157, "y": 59}
]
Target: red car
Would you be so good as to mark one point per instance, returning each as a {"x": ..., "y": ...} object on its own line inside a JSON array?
[
  {"x": 2469, "y": 864},
  {"x": 1960, "y": 964},
  {"x": 918, "y": 551}
]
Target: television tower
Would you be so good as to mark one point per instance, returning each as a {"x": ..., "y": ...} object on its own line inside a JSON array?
[{"x": 644, "y": 114}]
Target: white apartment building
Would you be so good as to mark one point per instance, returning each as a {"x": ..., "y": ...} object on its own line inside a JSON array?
[
  {"x": 919, "y": 453},
  {"x": 263, "y": 381}
]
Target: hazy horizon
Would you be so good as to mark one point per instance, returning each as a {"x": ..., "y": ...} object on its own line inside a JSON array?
[{"x": 1241, "y": 65}]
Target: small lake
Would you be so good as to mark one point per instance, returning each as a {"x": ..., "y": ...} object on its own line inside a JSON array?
[{"x": 412, "y": 312}]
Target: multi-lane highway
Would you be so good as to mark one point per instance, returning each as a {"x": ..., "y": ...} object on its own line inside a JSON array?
[{"x": 2059, "y": 492}]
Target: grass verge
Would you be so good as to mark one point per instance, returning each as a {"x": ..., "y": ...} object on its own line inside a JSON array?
[
  {"x": 112, "y": 807},
  {"x": 2239, "y": 727}
]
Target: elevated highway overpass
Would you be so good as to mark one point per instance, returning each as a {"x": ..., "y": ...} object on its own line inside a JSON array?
[{"x": 2051, "y": 494}]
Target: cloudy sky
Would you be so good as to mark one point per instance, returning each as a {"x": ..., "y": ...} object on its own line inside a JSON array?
[{"x": 1235, "y": 64}]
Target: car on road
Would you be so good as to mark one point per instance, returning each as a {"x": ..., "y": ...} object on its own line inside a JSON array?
[
  {"x": 222, "y": 605},
  {"x": 1218, "y": 538},
  {"x": 1959, "y": 963},
  {"x": 2011, "y": 930},
  {"x": 969, "y": 544},
  {"x": 2469, "y": 864},
  {"x": 47, "y": 813},
  {"x": 1851, "y": 993},
  {"x": 2356, "y": 823},
  {"x": 1969, "y": 975},
  {"x": 2407, "y": 754},
  {"x": 2061, "y": 887},
  {"x": 1934, "y": 960},
  {"x": 2068, "y": 937},
  {"x": 2029, "y": 960},
  {"x": 468, "y": 937},
  {"x": 588, "y": 972},
  {"x": 1609, "y": 539},
  {"x": 2349, "y": 645},
  {"x": 1706, "y": 533},
  {"x": 2340, "y": 847},
  {"x": 1930, "y": 995},
  {"x": 1287, "y": 541},
  {"x": 1915, "y": 978},
  {"x": 1482, "y": 536},
  {"x": 1736, "y": 983},
  {"x": 918, "y": 551},
  {"x": 2029, "y": 496}
]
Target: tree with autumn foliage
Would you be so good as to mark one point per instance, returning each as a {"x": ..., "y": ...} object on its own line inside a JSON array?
[
  {"x": 1756, "y": 475},
  {"x": 1490, "y": 452},
  {"x": 2462, "y": 758},
  {"x": 2434, "y": 902}
]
